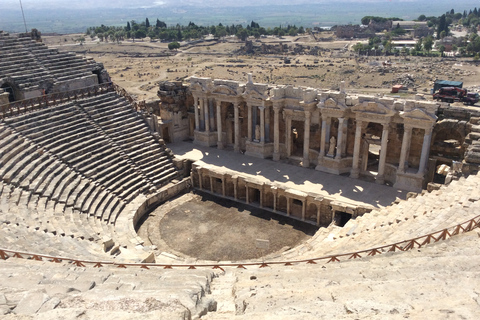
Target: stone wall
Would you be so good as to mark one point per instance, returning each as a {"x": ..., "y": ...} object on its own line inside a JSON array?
[
  {"x": 331, "y": 131},
  {"x": 309, "y": 207}
]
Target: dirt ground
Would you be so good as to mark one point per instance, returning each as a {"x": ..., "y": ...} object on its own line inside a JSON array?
[
  {"x": 139, "y": 66},
  {"x": 209, "y": 228}
]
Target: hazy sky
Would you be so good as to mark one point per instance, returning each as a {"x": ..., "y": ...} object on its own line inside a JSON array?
[{"x": 29, "y": 4}]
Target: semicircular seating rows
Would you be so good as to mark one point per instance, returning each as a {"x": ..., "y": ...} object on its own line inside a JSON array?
[
  {"x": 70, "y": 170},
  {"x": 424, "y": 214},
  {"x": 29, "y": 63}
]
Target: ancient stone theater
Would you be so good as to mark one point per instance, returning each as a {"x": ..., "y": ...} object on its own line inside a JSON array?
[{"x": 389, "y": 185}]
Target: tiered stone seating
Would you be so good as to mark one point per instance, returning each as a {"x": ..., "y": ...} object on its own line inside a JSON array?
[
  {"x": 28, "y": 62},
  {"x": 64, "y": 175},
  {"x": 57, "y": 290},
  {"x": 435, "y": 282},
  {"x": 64, "y": 131},
  {"x": 119, "y": 122},
  {"x": 424, "y": 214}
]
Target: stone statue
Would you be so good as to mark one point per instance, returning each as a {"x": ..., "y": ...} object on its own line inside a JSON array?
[
  {"x": 257, "y": 132},
  {"x": 331, "y": 148}
]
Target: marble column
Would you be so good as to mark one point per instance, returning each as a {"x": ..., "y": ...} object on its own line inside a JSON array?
[
  {"x": 340, "y": 138},
  {"x": 288, "y": 139},
  {"x": 355, "y": 173},
  {"x": 344, "y": 140},
  {"x": 213, "y": 124},
  {"x": 200, "y": 182},
  {"x": 267, "y": 124},
  {"x": 237, "y": 128},
  {"x": 276, "y": 134},
  {"x": 219, "y": 125},
  {"x": 202, "y": 114},
  {"x": 383, "y": 155},
  {"x": 262, "y": 124},
  {"x": 195, "y": 109},
  {"x": 322, "y": 140},
  {"x": 288, "y": 205},
  {"x": 306, "y": 140},
  {"x": 235, "y": 188},
  {"x": 304, "y": 208},
  {"x": 207, "y": 116},
  {"x": 223, "y": 186},
  {"x": 406, "y": 141},
  {"x": 250, "y": 122},
  {"x": 425, "y": 150},
  {"x": 274, "y": 191},
  {"x": 318, "y": 214}
]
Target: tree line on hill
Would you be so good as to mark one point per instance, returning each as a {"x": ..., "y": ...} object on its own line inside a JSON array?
[
  {"x": 466, "y": 46},
  {"x": 160, "y": 30}
]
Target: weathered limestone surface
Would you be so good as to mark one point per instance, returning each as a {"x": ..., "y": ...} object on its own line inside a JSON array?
[
  {"x": 31, "y": 69},
  {"x": 330, "y": 130}
]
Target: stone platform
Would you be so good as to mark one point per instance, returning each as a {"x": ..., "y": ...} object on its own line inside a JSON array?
[{"x": 343, "y": 189}]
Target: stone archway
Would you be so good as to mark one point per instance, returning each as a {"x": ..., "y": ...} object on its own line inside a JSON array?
[
  {"x": 448, "y": 139},
  {"x": 7, "y": 87}
]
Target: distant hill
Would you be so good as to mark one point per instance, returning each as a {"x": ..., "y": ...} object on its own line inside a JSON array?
[{"x": 75, "y": 16}]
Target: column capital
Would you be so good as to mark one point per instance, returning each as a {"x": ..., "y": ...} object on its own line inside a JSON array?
[{"x": 326, "y": 117}]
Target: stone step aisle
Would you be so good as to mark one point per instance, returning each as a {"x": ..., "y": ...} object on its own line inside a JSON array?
[
  {"x": 53, "y": 290},
  {"x": 223, "y": 293}
]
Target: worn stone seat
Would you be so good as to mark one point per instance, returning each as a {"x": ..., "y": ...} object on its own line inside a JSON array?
[{"x": 408, "y": 219}]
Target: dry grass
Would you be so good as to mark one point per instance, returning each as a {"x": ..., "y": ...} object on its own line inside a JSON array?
[{"x": 139, "y": 66}]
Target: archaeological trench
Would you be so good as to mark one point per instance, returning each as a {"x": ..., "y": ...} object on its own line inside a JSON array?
[{"x": 83, "y": 163}]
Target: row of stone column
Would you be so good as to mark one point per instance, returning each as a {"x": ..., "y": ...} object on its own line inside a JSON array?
[
  {"x": 406, "y": 142},
  {"x": 203, "y": 118},
  {"x": 339, "y": 149},
  {"x": 261, "y": 201},
  {"x": 202, "y": 112}
]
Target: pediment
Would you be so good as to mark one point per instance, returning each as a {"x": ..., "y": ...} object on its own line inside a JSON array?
[
  {"x": 333, "y": 104},
  {"x": 225, "y": 90},
  {"x": 419, "y": 115},
  {"x": 197, "y": 86},
  {"x": 254, "y": 94},
  {"x": 374, "y": 108}
]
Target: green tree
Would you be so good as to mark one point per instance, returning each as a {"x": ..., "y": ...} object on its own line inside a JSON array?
[
  {"x": 357, "y": 47},
  {"x": 242, "y": 34},
  {"x": 388, "y": 46},
  {"x": 128, "y": 28},
  {"x": 147, "y": 23},
  {"x": 442, "y": 26},
  {"x": 428, "y": 43},
  {"x": 220, "y": 32},
  {"x": 173, "y": 45},
  {"x": 441, "y": 48}
]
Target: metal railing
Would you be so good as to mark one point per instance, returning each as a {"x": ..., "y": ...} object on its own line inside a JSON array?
[
  {"x": 404, "y": 245},
  {"x": 28, "y": 105}
]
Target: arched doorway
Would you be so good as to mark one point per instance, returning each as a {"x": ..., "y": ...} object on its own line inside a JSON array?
[{"x": 9, "y": 89}]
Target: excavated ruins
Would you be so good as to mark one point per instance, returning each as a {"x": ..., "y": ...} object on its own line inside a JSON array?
[{"x": 390, "y": 184}]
